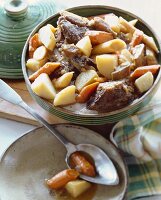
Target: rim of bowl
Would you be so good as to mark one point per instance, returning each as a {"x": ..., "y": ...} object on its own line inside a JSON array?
[{"x": 135, "y": 103}]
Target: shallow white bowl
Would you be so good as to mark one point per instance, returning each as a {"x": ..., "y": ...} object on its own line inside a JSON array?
[{"x": 39, "y": 155}]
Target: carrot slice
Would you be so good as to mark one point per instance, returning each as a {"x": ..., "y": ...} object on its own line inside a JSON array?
[
  {"x": 142, "y": 70},
  {"x": 82, "y": 164},
  {"x": 34, "y": 43},
  {"x": 86, "y": 92},
  {"x": 48, "y": 68},
  {"x": 62, "y": 178}
]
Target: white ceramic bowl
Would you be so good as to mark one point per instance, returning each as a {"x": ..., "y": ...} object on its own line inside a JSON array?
[{"x": 39, "y": 155}]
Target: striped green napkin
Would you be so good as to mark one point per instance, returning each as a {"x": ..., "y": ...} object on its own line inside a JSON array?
[{"x": 142, "y": 150}]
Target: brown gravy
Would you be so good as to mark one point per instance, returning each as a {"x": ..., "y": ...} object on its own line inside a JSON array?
[{"x": 62, "y": 194}]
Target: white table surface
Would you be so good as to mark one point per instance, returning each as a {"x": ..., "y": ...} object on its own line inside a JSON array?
[
  {"x": 10, "y": 131},
  {"x": 149, "y": 10}
]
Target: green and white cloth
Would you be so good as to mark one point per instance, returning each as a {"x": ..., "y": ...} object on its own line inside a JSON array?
[{"x": 142, "y": 150}]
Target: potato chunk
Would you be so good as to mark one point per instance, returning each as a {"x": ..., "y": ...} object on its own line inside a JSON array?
[
  {"x": 144, "y": 82},
  {"x": 77, "y": 187},
  {"x": 40, "y": 53},
  {"x": 52, "y": 28},
  {"x": 130, "y": 23},
  {"x": 43, "y": 87},
  {"x": 149, "y": 41},
  {"x": 65, "y": 96},
  {"x": 47, "y": 37},
  {"x": 63, "y": 81},
  {"x": 106, "y": 64},
  {"x": 109, "y": 47},
  {"x": 133, "y": 22},
  {"x": 130, "y": 28},
  {"x": 113, "y": 22},
  {"x": 34, "y": 65},
  {"x": 85, "y": 78},
  {"x": 125, "y": 56},
  {"x": 85, "y": 45},
  {"x": 150, "y": 57}
]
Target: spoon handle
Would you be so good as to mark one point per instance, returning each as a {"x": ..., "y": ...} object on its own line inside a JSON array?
[
  {"x": 58, "y": 135},
  {"x": 8, "y": 94}
]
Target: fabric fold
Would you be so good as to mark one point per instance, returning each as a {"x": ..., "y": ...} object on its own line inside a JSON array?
[{"x": 139, "y": 137}]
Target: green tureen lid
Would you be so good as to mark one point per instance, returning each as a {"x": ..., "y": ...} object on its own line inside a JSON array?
[{"x": 17, "y": 19}]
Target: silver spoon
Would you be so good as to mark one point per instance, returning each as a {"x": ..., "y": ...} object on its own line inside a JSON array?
[{"x": 106, "y": 172}]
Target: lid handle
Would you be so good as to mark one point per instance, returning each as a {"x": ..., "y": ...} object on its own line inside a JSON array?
[{"x": 16, "y": 9}]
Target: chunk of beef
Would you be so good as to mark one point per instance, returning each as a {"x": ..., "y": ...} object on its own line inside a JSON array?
[
  {"x": 76, "y": 58},
  {"x": 101, "y": 25},
  {"x": 111, "y": 96},
  {"x": 59, "y": 37},
  {"x": 70, "y": 50},
  {"x": 64, "y": 68},
  {"x": 75, "y": 19},
  {"x": 79, "y": 62},
  {"x": 55, "y": 56},
  {"x": 71, "y": 32},
  {"x": 139, "y": 55}
]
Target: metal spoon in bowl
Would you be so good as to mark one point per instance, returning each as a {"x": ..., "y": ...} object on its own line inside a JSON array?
[{"x": 106, "y": 172}]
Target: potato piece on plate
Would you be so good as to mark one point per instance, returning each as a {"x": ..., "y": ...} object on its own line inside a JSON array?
[
  {"x": 109, "y": 47},
  {"x": 34, "y": 65},
  {"x": 127, "y": 55},
  {"x": 43, "y": 87},
  {"x": 85, "y": 45},
  {"x": 65, "y": 96},
  {"x": 52, "y": 28},
  {"x": 77, "y": 187},
  {"x": 149, "y": 41},
  {"x": 133, "y": 22},
  {"x": 40, "y": 53},
  {"x": 123, "y": 28},
  {"x": 144, "y": 82},
  {"x": 150, "y": 57},
  {"x": 113, "y": 22},
  {"x": 63, "y": 81},
  {"x": 106, "y": 64},
  {"x": 130, "y": 28},
  {"x": 85, "y": 78},
  {"x": 124, "y": 56},
  {"x": 47, "y": 37}
]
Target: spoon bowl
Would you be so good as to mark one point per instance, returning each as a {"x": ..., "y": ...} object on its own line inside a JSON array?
[{"x": 106, "y": 172}]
